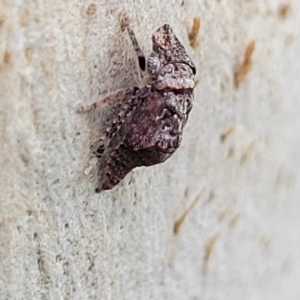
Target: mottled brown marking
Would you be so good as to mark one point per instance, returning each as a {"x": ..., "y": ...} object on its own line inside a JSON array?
[
  {"x": 245, "y": 67},
  {"x": 180, "y": 221},
  {"x": 284, "y": 10},
  {"x": 235, "y": 219},
  {"x": 92, "y": 9},
  {"x": 247, "y": 153},
  {"x": 2, "y": 22},
  {"x": 211, "y": 196},
  {"x": 124, "y": 22},
  {"x": 223, "y": 215},
  {"x": 7, "y": 57},
  {"x": 230, "y": 152},
  {"x": 186, "y": 192},
  {"x": 209, "y": 248},
  {"x": 194, "y": 32},
  {"x": 224, "y": 136},
  {"x": 27, "y": 54}
]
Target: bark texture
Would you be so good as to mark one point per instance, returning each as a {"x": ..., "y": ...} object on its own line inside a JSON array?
[{"x": 218, "y": 220}]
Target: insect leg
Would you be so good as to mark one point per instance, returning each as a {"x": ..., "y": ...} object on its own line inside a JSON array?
[
  {"x": 109, "y": 99},
  {"x": 135, "y": 44}
]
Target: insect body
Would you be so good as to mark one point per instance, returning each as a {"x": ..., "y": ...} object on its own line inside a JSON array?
[{"x": 150, "y": 121}]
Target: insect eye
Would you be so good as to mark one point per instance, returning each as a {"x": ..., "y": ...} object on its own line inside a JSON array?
[
  {"x": 142, "y": 62},
  {"x": 194, "y": 70}
]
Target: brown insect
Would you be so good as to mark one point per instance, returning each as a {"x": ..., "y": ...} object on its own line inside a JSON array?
[{"x": 150, "y": 120}]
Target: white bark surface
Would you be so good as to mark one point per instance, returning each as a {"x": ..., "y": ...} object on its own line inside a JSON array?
[{"x": 60, "y": 240}]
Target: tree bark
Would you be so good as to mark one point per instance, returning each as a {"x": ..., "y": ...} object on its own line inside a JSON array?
[{"x": 219, "y": 220}]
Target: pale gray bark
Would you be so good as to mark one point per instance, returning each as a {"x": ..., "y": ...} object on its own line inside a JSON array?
[{"x": 60, "y": 240}]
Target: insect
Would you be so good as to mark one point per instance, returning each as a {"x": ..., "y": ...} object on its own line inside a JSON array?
[{"x": 148, "y": 127}]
